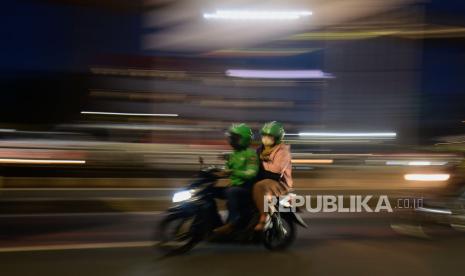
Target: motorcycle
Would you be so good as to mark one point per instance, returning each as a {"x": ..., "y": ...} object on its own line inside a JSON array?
[
  {"x": 424, "y": 221},
  {"x": 195, "y": 217}
]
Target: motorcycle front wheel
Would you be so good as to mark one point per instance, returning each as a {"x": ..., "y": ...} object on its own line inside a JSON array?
[{"x": 175, "y": 234}]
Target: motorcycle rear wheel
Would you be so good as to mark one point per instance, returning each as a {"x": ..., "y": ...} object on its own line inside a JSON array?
[{"x": 281, "y": 235}]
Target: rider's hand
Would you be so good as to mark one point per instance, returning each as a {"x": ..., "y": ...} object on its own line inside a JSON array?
[
  {"x": 224, "y": 156},
  {"x": 223, "y": 173}
]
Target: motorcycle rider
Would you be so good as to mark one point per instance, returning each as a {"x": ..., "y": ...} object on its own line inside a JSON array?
[
  {"x": 274, "y": 177},
  {"x": 242, "y": 168}
]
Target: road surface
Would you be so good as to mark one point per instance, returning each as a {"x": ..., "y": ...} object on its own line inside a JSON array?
[{"x": 122, "y": 244}]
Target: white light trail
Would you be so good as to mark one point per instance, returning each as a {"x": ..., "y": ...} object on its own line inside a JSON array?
[
  {"x": 415, "y": 163},
  {"x": 312, "y": 161},
  {"x": 342, "y": 134},
  {"x": 436, "y": 211},
  {"x": 427, "y": 177},
  {"x": 278, "y": 74},
  {"x": 39, "y": 161},
  {"x": 130, "y": 114},
  {"x": 256, "y": 15}
]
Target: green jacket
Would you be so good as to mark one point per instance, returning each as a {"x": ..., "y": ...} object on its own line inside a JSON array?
[{"x": 243, "y": 165}]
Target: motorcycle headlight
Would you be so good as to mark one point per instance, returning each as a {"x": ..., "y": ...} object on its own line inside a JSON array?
[{"x": 182, "y": 196}]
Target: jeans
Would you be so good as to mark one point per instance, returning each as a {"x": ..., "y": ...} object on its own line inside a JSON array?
[{"x": 238, "y": 201}]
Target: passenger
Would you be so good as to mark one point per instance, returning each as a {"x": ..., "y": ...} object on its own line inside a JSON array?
[{"x": 274, "y": 177}]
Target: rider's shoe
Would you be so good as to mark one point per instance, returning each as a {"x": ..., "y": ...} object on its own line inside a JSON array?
[
  {"x": 224, "y": 230},
  {"x": 261, "y": 223}
]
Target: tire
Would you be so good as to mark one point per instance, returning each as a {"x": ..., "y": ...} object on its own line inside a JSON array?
[
  {"x": 176, "y": 243},
  {"x": 273, "y": 238}
]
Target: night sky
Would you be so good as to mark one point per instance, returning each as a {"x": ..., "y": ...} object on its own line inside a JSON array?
[{"x": 47, "y": 49}]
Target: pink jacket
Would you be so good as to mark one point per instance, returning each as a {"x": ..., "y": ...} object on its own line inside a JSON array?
[{"x": 280, "y": 162}]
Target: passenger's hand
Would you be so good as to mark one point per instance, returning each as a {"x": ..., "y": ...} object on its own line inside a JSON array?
[{"x": 266, "y": 159}]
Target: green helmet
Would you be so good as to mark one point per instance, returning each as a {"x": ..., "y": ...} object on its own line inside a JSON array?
[
  {"x": 274, "y": 129},
  {"x": 244, "y": 132}
]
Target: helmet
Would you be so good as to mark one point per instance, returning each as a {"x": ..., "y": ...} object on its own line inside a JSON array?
[
  {"x": 274, "y": 129},
  {"x": 244, "y": 132}
]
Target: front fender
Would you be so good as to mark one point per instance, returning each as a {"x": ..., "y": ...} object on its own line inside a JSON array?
[
  {"x": 296, "y": 218},
  {"x": 188, "y": 208}
]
